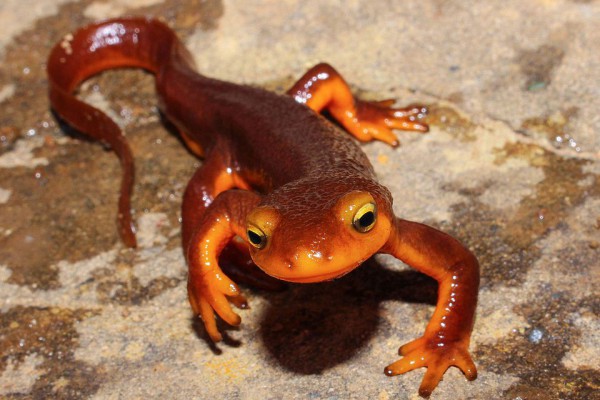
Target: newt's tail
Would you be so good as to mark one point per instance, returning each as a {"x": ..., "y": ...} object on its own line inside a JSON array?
[{"x": 125, "y": 42}]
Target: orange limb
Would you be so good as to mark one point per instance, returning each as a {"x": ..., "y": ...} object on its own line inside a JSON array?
[
  {"x": 445, "y": 342},
  {"x": 212, "y": 181},
  {"x": 207, "y": 233},
  {"x": 209, "y": 290},
  {"x": 212, "y": 178},
  {"x": 323, "y": 88}
]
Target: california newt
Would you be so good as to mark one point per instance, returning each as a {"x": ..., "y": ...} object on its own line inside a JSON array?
[{"x": 300, "y": 196}]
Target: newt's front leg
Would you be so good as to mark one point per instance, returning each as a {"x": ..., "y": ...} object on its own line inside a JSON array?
[
  {"x": 209, "y": 289},
  {"x": 446, "y": 339},
  {"x": 323, "y": 88}
]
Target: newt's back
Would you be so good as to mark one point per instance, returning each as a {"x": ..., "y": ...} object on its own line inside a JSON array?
[{"x": 269, "y": 134}]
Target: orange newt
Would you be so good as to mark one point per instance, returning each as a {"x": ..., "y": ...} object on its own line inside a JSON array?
[{"x": 280, "y": 182}]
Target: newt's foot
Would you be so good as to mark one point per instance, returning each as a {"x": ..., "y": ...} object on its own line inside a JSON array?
[
  {"x": 374, "y": 120},
  {"x": 210, "y": 293},
  {"x": 437, "y": 357}
]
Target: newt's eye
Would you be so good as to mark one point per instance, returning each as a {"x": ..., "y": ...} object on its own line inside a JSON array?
[
  {"x": 256, "y": 237},
  {"x": 365, "y": 217}
]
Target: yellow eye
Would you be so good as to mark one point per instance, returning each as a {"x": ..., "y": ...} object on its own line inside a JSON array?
[
  {"x": 256, "y": 237},
  {"x": 365, "y": 218}
]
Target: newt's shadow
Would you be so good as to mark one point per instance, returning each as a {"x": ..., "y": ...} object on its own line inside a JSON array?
[{"x": 310, "y": 328}]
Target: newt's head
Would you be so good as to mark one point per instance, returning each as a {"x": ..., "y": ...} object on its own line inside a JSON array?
[{"x": 321, "y": 231}]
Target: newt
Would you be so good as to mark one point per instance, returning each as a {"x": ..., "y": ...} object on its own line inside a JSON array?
[{"x": 280, "y": 184}]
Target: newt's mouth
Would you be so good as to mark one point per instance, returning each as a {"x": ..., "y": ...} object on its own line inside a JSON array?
[{"x": 298, "y": 277}]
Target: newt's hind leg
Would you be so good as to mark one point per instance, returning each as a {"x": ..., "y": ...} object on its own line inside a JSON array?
[{"x": 323, "y": 88}]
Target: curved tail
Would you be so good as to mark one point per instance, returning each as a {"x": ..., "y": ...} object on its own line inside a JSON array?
[{"x": 125, "y": 42}]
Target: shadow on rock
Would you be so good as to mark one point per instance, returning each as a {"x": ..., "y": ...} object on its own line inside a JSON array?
[{"x": 311, "y": 328}]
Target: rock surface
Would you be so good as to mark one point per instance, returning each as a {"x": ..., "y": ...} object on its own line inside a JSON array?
[{"x": 511, "y": 167}]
